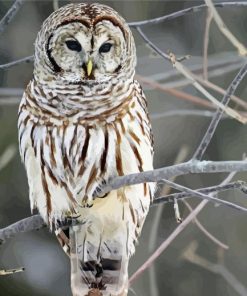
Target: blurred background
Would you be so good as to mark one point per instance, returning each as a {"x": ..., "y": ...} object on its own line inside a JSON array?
[{"x": 185, "y": 268}]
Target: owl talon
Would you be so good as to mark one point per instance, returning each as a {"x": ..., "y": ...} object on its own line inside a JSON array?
[
  {"x": 103, "y": 196},
  {"x": 67, "y": 221}
]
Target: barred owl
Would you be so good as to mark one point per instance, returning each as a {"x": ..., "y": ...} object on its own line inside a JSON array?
[{"x": 83, "y": 121}]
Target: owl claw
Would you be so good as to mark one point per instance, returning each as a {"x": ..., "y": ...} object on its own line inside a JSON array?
[{"x": 67, "y": 221}]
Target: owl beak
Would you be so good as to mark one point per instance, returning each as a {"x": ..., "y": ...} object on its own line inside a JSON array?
[{"x": 89, "y": 67}]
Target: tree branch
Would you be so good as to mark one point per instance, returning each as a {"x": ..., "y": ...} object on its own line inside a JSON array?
[
  {"x": 205, "y": 231},
  {"x": 240, "y": 47},
  {"x": 182, "y": 69},
  {"x": 167, "y": 242},
  {"x": 216, "y": 119},
  {"x": 205, "y": 44},
  {"x": 28, "y": 59},
  {"x": 172, "y": 91},
  {"x": 179, "y": 13},
  {"x": 164, "y": 190},
  {"x": 191, "y": 255},
  {"x": 11, "y": 271},
  {"x": 36, "y": 222},
  {"x": 202, "y": 195},
  {"x": 10, "y": 15},
  {"x": 173, "y": 235},
  {"x": 241, "y": 185},
  {"x": 188, "y": 97},
  {"x": 28, "y": 224},
  {"x": 190, "y": 167}
]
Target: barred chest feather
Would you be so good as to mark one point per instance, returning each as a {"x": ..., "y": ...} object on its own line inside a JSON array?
[{"x": 69, "y": 158}]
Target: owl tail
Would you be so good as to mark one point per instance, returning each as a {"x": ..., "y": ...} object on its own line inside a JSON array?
[{"x": 99, "y": 259}]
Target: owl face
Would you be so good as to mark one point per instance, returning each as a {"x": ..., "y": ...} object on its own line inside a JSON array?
[
  {"x": 97, "y": 46},
  {"x": 82, "y": 53}
]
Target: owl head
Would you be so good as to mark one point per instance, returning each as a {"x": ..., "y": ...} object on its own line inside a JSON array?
[{"x": 83, "y": 43}]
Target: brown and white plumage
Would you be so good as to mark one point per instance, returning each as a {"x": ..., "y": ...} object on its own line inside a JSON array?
[{"x": 82, "y": 121}]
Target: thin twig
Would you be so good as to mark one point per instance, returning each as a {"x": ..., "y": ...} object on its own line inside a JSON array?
[
  {"x": 205, "y": 231},
  {"x": 11, "y": 271},
  {"x": 10, "y": 15},
  {"x": 216, "y": 119},
  {"x": 7, "y": 156},
  {"x": 223, "y": 28},
  {"x": 215, "y": 72},
  {"x": 220, "y": 90},
  {"x": 183, "y": 112},
  {"x": 173, "y": 235},
  {"x": 180, "y": 13},
  {"x": 182, "y": 69},
  {"x": 188, "y": 97},
  {"x": 203, "y": 196},
  {"x": 177, "y": 93},
  {"x": 241, "y": 185},
  {"x": 216, "y": 62},
  {"x": 28, "y": 59},
  {"x": 191, "y": 255},
  {"x": 205, "y": 44},
  {"x": 211, "y": 98},
  {"x": 10, "y": 101},
  {"x": 186, "y": 112},
  {"x": 11, "y": 91},
  {"x": 167, "y": 242},
  {"x": 183, "y": 153},
  {"x": 55, "y": 4}
]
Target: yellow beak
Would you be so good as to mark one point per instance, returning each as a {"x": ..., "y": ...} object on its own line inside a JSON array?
[{"x": 89, "y": 67}]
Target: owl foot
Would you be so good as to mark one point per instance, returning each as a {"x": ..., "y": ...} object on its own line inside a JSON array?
[
  {"x": 99, "y": 189},
  {"x": 67, "y": 221}
]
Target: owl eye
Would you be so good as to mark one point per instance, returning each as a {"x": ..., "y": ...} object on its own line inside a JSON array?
[
  {"x": 105, "y": 47},
  {"x": 73, "y": 45}
]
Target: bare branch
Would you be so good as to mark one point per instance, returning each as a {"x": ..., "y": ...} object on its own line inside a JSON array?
[
  {"x": 222, "y": 69},
  {"x": 173, "y": 235},
  {"x": 188, "y": 97},
  {"x": 220, "y": 90},
  {"x": 182, "y": 155},
  {"x": 10, "y": 91},
  {"x": 205, "y": 231},
  {"x": 177, "y": 93},
  {"x": 10, "y": 15},
  {"x": 190, "y": 167},
  {"x": 55, "y": 4},
  {"x": 11, "y": 271},
  {"x": 31, "y": 223},
  {"x": 205, "y": 44},
  {"x": 240, "y": 47},
  {"x": 7, "y": 156},
  {"x": 10, "y": 101},
  {"x": 184, "y": 112},
  {"x": 182, "y": 69},
  {"x": 216, "y": 119},
  {"x": 202, "y": 195},
  {"x": 241, "y": 185},
  {"x": 36, "y": 222},
  {"x": 179, "y": 13},
  {"x": 191, "y": 255},
  {"x": 28, "y": 59},
  {"x": 167, "y": 242}
]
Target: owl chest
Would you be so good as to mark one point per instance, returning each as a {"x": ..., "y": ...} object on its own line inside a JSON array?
[{"x": 82, "y": 158}]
